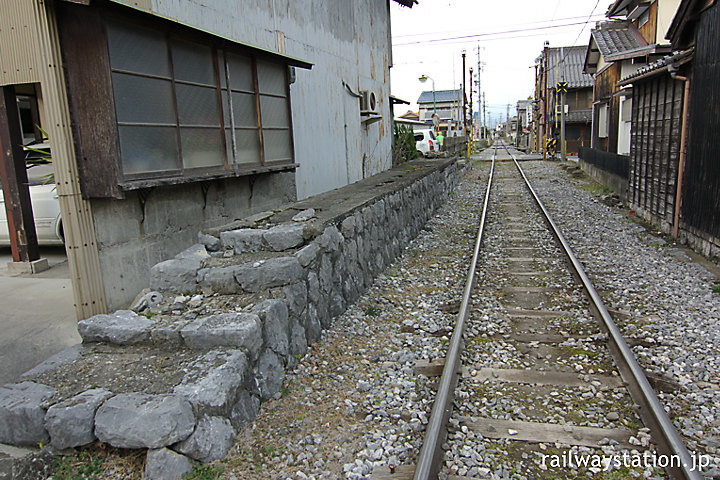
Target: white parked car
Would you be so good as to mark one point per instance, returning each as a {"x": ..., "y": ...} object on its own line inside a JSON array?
[
  {"x": 426, "y": 143},
  {"x": 45, "y": 205}
]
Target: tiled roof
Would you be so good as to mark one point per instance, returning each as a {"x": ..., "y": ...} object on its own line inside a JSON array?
[
  {"x": 677, "y": 58},
  {"x": 615, "y": 38},
  {"x": 441, "y": 96},
  {"x": 571, "y": 67}
]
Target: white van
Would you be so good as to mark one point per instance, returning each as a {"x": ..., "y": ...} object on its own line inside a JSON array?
[{"x": 426, "y": 143}]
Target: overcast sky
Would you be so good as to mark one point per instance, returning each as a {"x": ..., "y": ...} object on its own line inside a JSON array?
[{"x": 510, "y": 34}]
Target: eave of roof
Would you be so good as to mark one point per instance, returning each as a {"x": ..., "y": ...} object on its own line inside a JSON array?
[
  {"x": 660, "y": 66},
  {"x": 407, "y": 3}
]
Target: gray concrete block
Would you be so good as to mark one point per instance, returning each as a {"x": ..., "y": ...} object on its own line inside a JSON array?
[
  {"x": 270, "y": 273},
  {"x": 164, "y": 464},
  {"x": 219, "y": 280},
  {"x": 276, "y": 328},
  {"x": 71, "y": 423},
  {"x": 138, "y": 420},
  {"x": 239, "y": 330},
  {"x": 284, "y": 237},
  {"x": 212, "y": 439},
  {"x": 120, "y": 328},
  {"x": 243, "y": 240},
  {"x": 308, "y": 254},
  {"x": 213, "y": 382},
  {"x": 270, "y": 374},
  {"x": 22, "y": 413},
  {"x": 296, "y": 297}
]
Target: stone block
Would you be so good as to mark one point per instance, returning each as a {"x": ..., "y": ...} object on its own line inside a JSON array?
[
  {"x": 276, "y": 329},
  {"x": 245, "y": 409},
  {"x": 219, "y": 280},
  {"x": 308, "y": 254},
  {"x": 304, "y": 216},
  {"x": 196, "y": 252},
  {"x": 270, "y": 273},
  {"x": 138, "y": 420},
  {"x": 296, "y": 297},
  {"x": 337, "y": 305},
  {"x": 175, "y": 275},
  {"x": 211, "y": 242},
  {"x": 347, "y": 227},
  {"x": 123, "y": 327},
  {"x": 270, "y": 374},
  {"x": 212, "y": 439},
  {"x": 71, "y": 423},
  {"x": 164, "y": 464},
  {"x": 212, "y": 382},
  {"x": 243, "y": 240},
  {"x": 298, "y": 342},
  {"x": 313, "y": 328},
  {"x": 330, "y": 240},
  {"x": 65, "y": 357},
  {"x": 313, "y": 283},
  {"x": 225, "y": 330},
  {"x": 22, "y": 413},
  {"x": 284, "y": 237}
]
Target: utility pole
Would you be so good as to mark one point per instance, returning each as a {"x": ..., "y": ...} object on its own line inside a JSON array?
[
  {"x": 480, "y": 91},
  {"x": 543, "y": 86},
  {"x": 472, "y": 129},
  {"x": 507, "y": 122},
  {"x": 484, "y": 109},
  {"x": 563, "y": 146},
  {"x": 464, "y": 100}
]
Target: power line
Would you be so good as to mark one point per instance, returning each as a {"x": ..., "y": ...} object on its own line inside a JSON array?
[
  {"x": 508, "y": 26},
  {"x": 479, "y": 35}
]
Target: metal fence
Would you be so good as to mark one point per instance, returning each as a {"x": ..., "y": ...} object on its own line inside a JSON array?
[{"x": 610, "y": 162}]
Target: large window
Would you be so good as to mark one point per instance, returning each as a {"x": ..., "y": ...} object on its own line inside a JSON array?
[{"x": 186, "y": 106}]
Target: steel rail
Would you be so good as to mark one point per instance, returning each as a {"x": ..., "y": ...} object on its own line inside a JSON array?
[
  {"x": 642, "y": 392},
  {"x": 428, "y": 463}
]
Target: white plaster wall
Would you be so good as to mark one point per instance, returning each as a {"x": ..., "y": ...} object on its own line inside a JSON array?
[
  {"x": 347, "y": 41},
  {"x": 666, "y": 13}
]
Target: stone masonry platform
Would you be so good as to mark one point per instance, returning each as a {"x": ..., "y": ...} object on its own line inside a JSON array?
[{"x": 188, "y": 364}]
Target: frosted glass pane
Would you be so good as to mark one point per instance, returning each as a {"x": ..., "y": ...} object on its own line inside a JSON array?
[
  {"x": 193, "y": 62},
  {"x": 271, "y": 78},
  {"x": 201, "y": 147},
  {"x": 148, "y": 149},
  {"x": 241, "y": 76},
  {"x": 143, "y": 100},
  {"x": 248, "y": 146},
  {"x": 277, "y": 145},
  {"x": 244, "y": 109},
  {"x": 138, "y": 50},
  {"x": 274, "y": 112},
  {"x": 197, "y": 105}
]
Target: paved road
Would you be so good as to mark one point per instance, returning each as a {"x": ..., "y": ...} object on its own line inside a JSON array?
[{"x": 37, "y": 318}]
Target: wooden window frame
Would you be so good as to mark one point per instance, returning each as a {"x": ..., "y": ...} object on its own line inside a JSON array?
[{"x": 91, "y": 96}]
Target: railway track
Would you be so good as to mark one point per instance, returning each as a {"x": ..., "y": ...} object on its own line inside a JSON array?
[{"x": 537, "y": 380}]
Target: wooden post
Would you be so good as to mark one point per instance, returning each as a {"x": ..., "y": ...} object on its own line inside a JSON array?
[{"x": 13, "y": 175}]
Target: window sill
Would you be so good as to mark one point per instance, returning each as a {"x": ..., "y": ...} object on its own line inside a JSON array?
[{"x": 242, "y": 172}]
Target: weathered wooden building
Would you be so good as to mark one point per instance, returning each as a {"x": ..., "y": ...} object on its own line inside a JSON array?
[{"x": 168, "y": 117}]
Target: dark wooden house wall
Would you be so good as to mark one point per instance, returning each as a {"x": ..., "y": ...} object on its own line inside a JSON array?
[
  {"x": 655, "y": 147},
  {"x": 605, "y": 88},
  {"x": 701, "y": 188}
]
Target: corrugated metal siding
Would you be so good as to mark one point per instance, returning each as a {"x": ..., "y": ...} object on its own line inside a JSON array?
[
  {"x": 701, "y": 189},
  {"x": 655, "y": 147},
  {"x": 19, "y": 52},
  {"x": 79, "y": 229}
]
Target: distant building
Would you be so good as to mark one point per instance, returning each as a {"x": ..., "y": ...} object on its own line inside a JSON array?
[
  {"x": 524, "y": 125},
  {"x": 447, "y": 104},
  {"x": 556, "y": 65}
]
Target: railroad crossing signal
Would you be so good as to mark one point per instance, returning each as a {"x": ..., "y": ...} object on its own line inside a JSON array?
[
  {"x": 551, "y": 145},
  {"x": 562, "y": 87}
]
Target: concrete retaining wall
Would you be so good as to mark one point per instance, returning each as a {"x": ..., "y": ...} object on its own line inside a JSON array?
[{"x": 617, "y": 183}]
